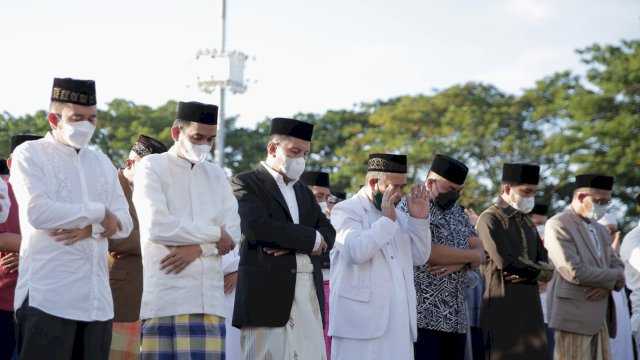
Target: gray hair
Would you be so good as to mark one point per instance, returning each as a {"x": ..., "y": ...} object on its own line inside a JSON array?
[{"x": 381, "y": 176}]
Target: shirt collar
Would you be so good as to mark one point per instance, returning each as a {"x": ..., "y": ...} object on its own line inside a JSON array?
[
  {"x": 506, "y": 208},
  {"x": 277, "y": 176},
  {"x": 62, "y": 147},
  {"x": 173, "y": 155}
]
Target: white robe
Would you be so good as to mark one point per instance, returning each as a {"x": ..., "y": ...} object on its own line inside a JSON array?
[
  {"x": 58, "y": 187},
  {"x": 179, "y": 203},
  {"x": 373, "y": 299},
  {"x": 621, "y": 346},
  {"x": 232, "y": 340}
]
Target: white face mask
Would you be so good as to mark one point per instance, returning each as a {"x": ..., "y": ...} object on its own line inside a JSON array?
[
  {"x": 522, "y": 204},
  {"x": 194, "y": 153},
  {"x": 540, "y": 229},
  {"x": 292, "y": 168},
  {"x": 323, "y": 206},
  {"x": 76, "y": 134},
  {"x": 597, "y": 211}
]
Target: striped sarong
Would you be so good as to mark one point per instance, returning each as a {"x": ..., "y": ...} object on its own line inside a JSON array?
[
  {"x": 125, "y": 341},
  {"x": 570, "y": 346},
  {"x": 301, "y": 338},
  {"x": 191, "y": 336}
]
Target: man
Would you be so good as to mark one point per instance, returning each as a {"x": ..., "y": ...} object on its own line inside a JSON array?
[
  {"x": 186, "y": 201},
  {"x": 125, "y": 263},
  {"x": 332, "y": 200},
  {"x": 319, "y": 184},
  {"x": 373, "y": 298},
  {"x": 10, "y": 235},
  {"x": 4, "y": 169},
  {"x": 511, "y": 314},
  {"x": 70, "y": 204},
  {"x": 279, "y": 303},
  {"x": 441, "y": 284},
  {"x": 622, "y": 345},
  {"x": 630, "y": 254},
  {"x": 587, "y": 269},
  {"x": 538, "y": 216}
]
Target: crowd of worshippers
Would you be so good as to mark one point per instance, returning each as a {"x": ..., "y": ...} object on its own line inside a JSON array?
[{"x": 168, "y": 258}]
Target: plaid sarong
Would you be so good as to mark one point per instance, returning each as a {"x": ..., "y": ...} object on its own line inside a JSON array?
[
  {"x": 125, "y": 341},
  {"x": 192, "y": 336}
]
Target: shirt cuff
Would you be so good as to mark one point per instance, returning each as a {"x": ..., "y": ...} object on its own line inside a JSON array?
[
  {"x": 318, "y": 241},
  {"x": 208, "y": 250},
  {"x": 95, "y": 212}
]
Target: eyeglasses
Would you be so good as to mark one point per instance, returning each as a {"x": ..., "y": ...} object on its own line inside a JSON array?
[{"x": 601, "y": 202}]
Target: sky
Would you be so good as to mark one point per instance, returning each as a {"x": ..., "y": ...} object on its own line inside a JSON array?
[{"x": 304, "y": 55}]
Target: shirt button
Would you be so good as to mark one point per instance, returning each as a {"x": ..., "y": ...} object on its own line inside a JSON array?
[
  {"x": 293, "y": 271},
  {"x": 391, "y": 257}
]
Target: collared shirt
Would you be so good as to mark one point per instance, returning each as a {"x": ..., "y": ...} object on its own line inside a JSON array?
[
  {"x": 180, "y": 203},
  {"x": 594, "y": 236},
  {"x": 58, "y": 187},
  {"x": 441, "y": 300},
  {"x": 289, "y": 195},
  {"x": 8, "y": 279}
]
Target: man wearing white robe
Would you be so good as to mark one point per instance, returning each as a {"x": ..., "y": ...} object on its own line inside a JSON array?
[
  {"x": 71, "y": 203},
  {"x": 373, "y": 298},
  {"x": 184, "y": 201}
]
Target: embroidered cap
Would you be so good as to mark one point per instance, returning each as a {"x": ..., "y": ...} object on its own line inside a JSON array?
[
  {"x": 147, "y": 145},
  {"x": 390, "y": 163},
  {"x": 73, "y": 91}
]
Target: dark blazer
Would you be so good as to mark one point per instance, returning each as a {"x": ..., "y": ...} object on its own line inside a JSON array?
[
  {"x": 125, "y": 272},
  {"x": 266, "y": 283}
]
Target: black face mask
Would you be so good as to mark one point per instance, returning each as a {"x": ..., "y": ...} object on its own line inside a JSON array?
[{"x": 446, "y": 200}]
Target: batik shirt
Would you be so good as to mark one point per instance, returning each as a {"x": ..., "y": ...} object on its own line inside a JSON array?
[{"x": 441, "y": 300}]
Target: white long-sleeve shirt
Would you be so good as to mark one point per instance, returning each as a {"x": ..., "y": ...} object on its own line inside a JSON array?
[
  {"x": 630, "y": 254},
  {"x": 58, "y": 187},
  {"x": 183, "y": 204},
  {"x": 4, "y": 203}
]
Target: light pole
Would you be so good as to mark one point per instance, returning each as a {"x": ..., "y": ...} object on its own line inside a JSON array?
[{"x": 219, "y": 69}]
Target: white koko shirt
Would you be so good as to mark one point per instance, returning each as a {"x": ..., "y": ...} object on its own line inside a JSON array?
[
  {"x": 179, "y": 203},
  {"x": 58, "y": 187}
]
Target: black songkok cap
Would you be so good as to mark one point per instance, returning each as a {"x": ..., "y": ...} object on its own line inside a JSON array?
[
  {"x": 147, "y": 145},
  {"x": 540, "y": 209},
  {"x": 19, "y": 139},
  {"x": 449, "y": 168},
  {"x": 80, "y": 92},
  {"x": 4, "y": 169},
  {"x": 290, "y": 127},
  {"x": 594, "y": 181},
  {"x": 390, "y": 163},
  {"x": 198, "y": 112},
  {"x": 315, "y": 178},
  {"x": 521, "y": 174}
]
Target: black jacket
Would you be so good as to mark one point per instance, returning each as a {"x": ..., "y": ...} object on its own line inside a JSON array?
[{"x": 266, "y": 283}]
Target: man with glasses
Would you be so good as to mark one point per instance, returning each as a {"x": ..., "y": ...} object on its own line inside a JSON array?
[
  {"x": 587, "y": 269},
  {"x": 441, "y": 283},
  {"x": 511, "y": 314}
]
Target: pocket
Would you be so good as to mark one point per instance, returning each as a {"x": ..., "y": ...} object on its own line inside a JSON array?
[
  {"x": 355, "y": 293},
  {"x": 569, "y": 293}
]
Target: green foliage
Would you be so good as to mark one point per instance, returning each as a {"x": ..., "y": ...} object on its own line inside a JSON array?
[{"x": 566, "y": 123}]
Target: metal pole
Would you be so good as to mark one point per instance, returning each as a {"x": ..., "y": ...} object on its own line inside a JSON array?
[{"x": 220, "y": 134}]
